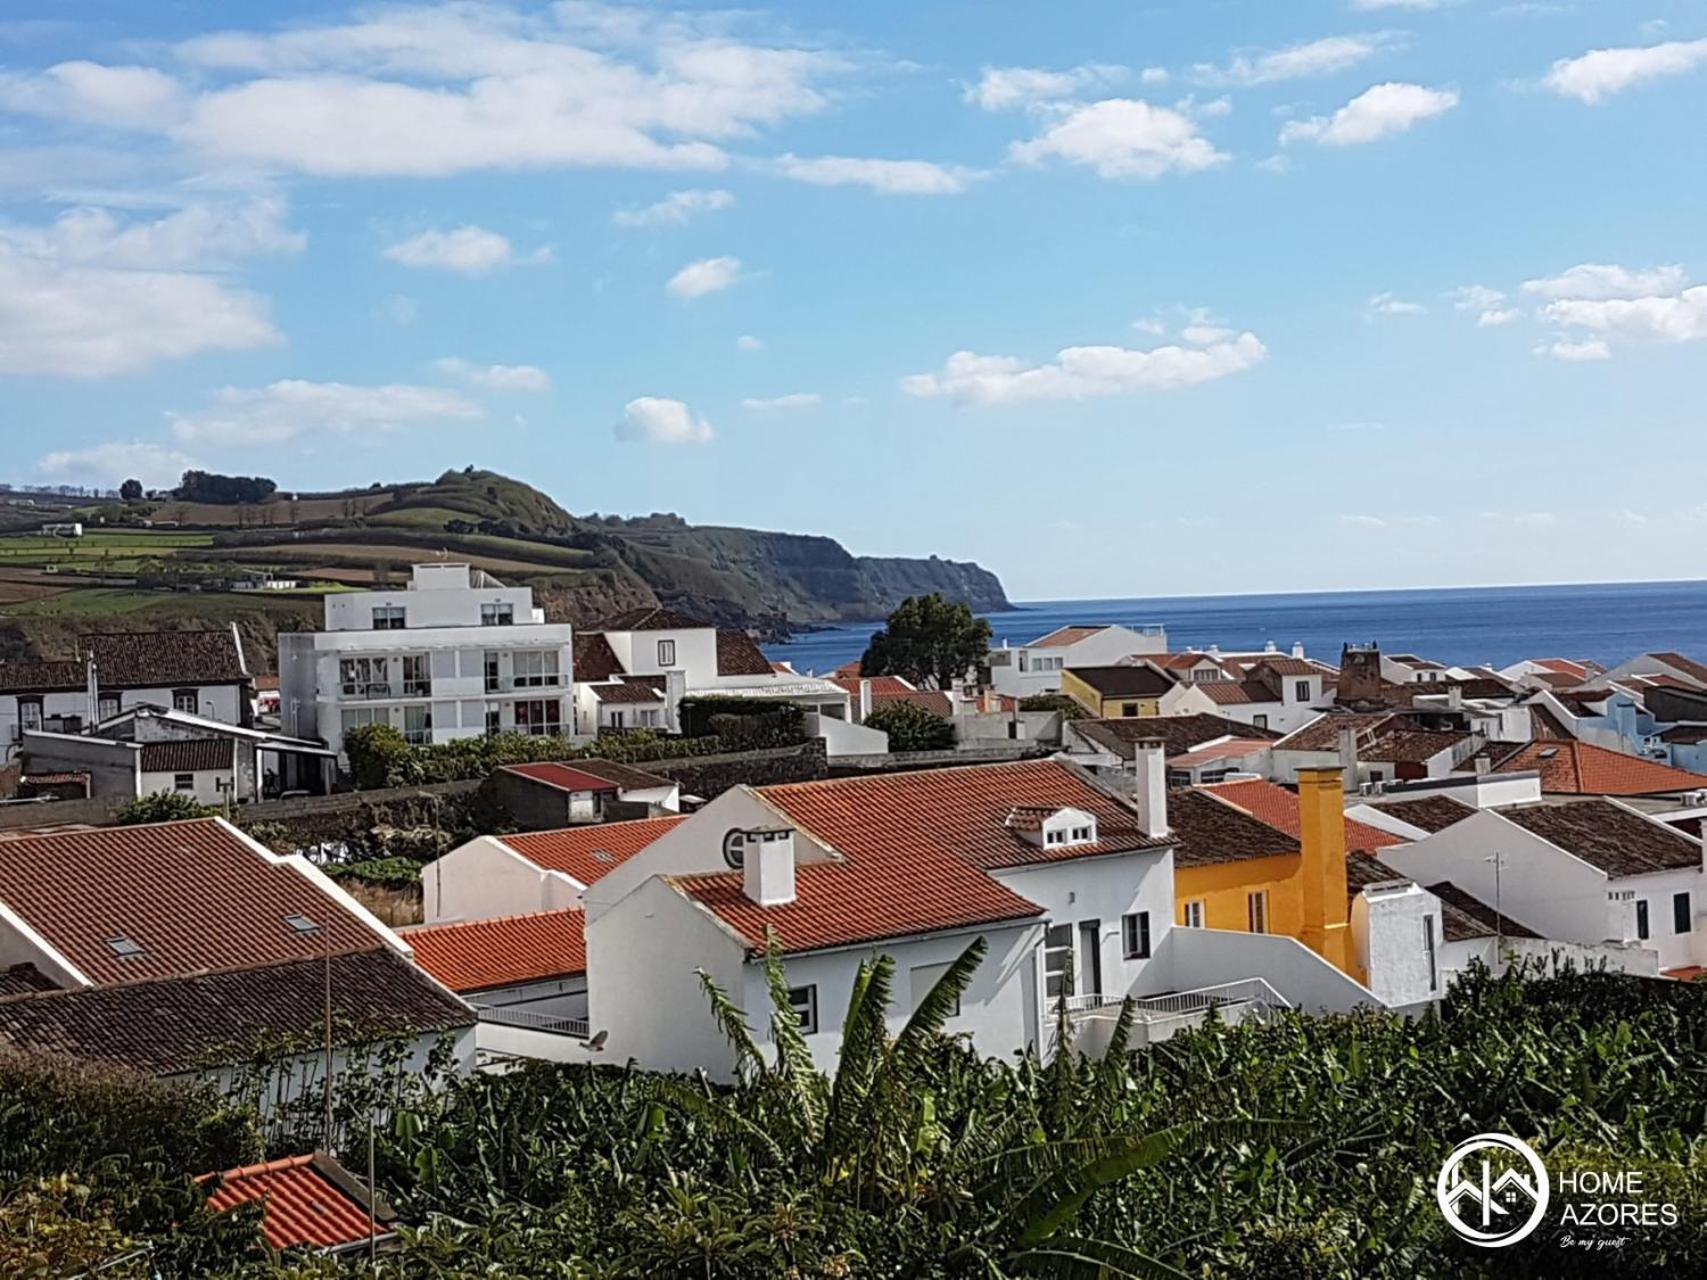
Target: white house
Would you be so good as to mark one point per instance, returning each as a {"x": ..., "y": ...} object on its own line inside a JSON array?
[
  {"x": 1024, "y": 670},
  {"x": 198, "y": 672},
  {"x": 1590, "y": 871},
  {"x": 454, "y": 655},
  {"x": 1268, "y": 690}
]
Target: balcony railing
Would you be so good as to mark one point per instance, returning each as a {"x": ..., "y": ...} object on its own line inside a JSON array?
[
  {"x": 506, "y": 1016},
  {"x": 1253, "y": 992},
  {"x": 516, "y": 684},
  {"x": 378, "y": 690}
]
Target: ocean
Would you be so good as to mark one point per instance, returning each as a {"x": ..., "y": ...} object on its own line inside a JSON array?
[{"x": 1464, "y": 626}]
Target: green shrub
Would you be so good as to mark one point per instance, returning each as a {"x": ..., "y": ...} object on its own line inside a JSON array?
[
  {"x": 912, "y": 728},
  {"x": 162, "y": 806},
  {"x": 388, "y": 873},
  {"x": 1069, "y": 709},
  {"x": 782, "y": 721},
  {"x": 375, "y": 752}
]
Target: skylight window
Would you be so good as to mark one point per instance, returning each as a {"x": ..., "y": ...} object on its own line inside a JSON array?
[
  {"x": 299, "y": 924},
  {"x": 124, "y": 947}
]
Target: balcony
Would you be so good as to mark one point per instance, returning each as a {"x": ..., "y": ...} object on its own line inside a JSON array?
[
  {"x": 525, "y": 684},
  {"x": 506, "y": 1016},
  {"x": 1160, "y": 1017},
  {"x": 384, "y": 690}
]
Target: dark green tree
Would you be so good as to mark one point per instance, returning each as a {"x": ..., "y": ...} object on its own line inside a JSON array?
[
  {"x": 161, "y": 806},
  {"x": 911, "y": 727},
  {"x": 131, "y": 491},
  {"x": 929, "y": 641}
]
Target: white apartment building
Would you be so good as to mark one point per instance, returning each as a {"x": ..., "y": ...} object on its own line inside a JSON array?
[
  {"x": 1023, "y": 671},
  {"x": 456, "y": 654}
]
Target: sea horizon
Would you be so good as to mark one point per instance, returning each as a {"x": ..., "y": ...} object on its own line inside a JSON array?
[{"x": 1468, "y": 626}]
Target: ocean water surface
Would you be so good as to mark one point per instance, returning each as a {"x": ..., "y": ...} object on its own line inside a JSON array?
[{"x": 1607, "y": 622}]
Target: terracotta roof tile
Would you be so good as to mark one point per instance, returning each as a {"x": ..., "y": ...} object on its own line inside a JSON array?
[
  {"x": 1689, "y": 666},
  {"x": 307, "y": 1201},
  {"x": 1427, "y": 813},
  {"x": 629, "y": 690},
  {"x": 653, "y": 618},
  {"x": 1323, "y": 733},
  {"x": 1579, "y": 768},
  {"x": 191, "y": 895},
  {"x": 1233, "y": 693},
  {"x": 565, "y": 777},
  {"x": 594, "y": 658},
  {"x": 41, "y": 677},
  {"x": 586, "y": 853},
  {"x": 1134, "y": 681},
  {"x": 914, "y": 851},
  {"x": 626, "y": 776},
  {"x": 1278, "y": 807},
  {"x": 1400, "y": 745},
  {"x": 738, "y": 654},
  {"x": 1232, "y": 749},
  {"x": 187, "y": 755},
  {"x": 1465, "y": 917},
  {"x": 1061, "y": 637},
  {"x": 1177, "y": 734},
  {"x": 187, "y": 1023},
  {"x": 1605, "y": 834},
  {"x": 477, "y": 955},
  {"x": 1211, "y": 831}
]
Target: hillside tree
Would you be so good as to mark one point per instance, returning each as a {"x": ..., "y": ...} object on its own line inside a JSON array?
[
  {"x": 131, "y": 491},
  {"x": 929, "y": 641}
]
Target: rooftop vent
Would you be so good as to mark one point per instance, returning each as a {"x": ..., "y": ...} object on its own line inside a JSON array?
[
  {"x": 124, "y": 947},
  {"x": 603, "y": 855}
]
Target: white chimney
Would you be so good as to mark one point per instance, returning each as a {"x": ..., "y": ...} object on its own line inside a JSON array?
[
  {"x": 1455, "y": 697},
  {"x": 767, "y": 866},
  {"x": 1150, "y": 787},
  {"x": 1348, "y": 752},
  {"x": 1298, "y": 649},
  {"x": 864, "y": 698}
]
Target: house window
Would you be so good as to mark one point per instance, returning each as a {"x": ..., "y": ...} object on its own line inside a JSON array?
[
  {"x": 29, "y": 713},
  {"x": 418, "y": 725},
  {"x": 1054, "y": 837},
  {"x": 804, "y": 1001},
  {"x": 417, "y": 676},
  {"x": 1058, "y": 961},
  {"x": 540, "y": 717},
  {"x": 1428, "y": 951},
  {"x": 1024, "y": 662},
  {"x": 647, "y": 718},
  {"x": 534, "y": 669},
  {"x": 923, "y": 978},
  {"x": 1194, "y": 914},
  {"x": 1642, "y": 919},
  {"x": 388, "y": 617},
  {"x": 497, "y": 615},
  {"x": 1259, "y": 722},
  {"x": 666, "y": 653},
  {"x": 1135, "y": 933},
  {"x": 364, "y": 678},
  {"x": 182, "y": 700},
  {"x": 1680, "y": 922},
  {"x": 494, "y": 720},
  {"x": 1081, "y": 835},
  {"x": 1256, "y": 909},
  {"x": 1301, "y": 691},
  {"x": 356, "y": 717},
  {"x": 183, "y": 782},
  {"x": 107, "y": 706},
  {"x": 1129, "y": 709}
]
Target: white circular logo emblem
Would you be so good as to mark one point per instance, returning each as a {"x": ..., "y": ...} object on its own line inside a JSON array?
[{"x": 1493, "y": 1190}]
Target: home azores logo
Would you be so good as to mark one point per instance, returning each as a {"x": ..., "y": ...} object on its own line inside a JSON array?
[{"x": 1493, "y": 1190}]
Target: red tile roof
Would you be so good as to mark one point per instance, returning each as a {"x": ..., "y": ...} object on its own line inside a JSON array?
[
  {"x": 629, "y": 691},
  {"x": 888, "y": 690},
  {"x": 586, "y": 853},
  {"x": 914, "y": 852},
  {"x": 1566, "y": 667},
  {"x": 1233, "y": 748},
  {"x": 594, "y": 658},
  {"x": 564, "y": 777},
  {"x": 306, "y": 1200},
  {"x": 192, "y": 895},
  {"x": 1063, "y": 636},
  {"x": 1278, "y": 807},
  {"x": 738, "y": 654},
  {"x": 1579, "y": 768},
  {"x": 652, "y": 618},
  {"x": 477, "y": 955},
  {"x": 1227, "y": 693},
  {"x": 1689, "y": 666}
]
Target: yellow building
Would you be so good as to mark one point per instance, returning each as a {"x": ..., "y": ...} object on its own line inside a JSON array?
[
  {"x": 1117, "y": 693},
  {"x": 1234, "y": 871}
]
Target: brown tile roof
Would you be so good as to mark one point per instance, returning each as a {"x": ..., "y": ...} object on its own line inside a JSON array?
[
  {"x": 1464, "y": 917},
  {"x": 187, "y": 755},
  {"x": 1410, "y": 746},
  {"x": 1125, "y": 682},
  {"x": 565, "y": 777},
  {"x": 1323, "y": 733},
  {"x": 1570, "y": 667},
  {"x": 1609, "y": 836},
  {"x": 594, "y": 658},
  {"x": 1278, "y": 807},
  {"x": 192, "y": 895},
  {"x": 1685, "y": 733},
  {"x": 1286, "y": 665},
  {"x": 586, "y": 853},
  {"x": 1579, "y": 768},
  {"x": 308, "y": 1201},
  {"x": 41, "y": 677},
  {"x": 625, "y": 776},
  {"x": 1211, "y": 831},
  {"x": 477, "y": 955},
  {"x": 1544, "y": 725},
  {"x": 21, "y": 979},
  {"x": 915, "y": 850},
  {"x": 1427, "y": 813},
  {"x": 629, "y": 691},
  {"x": 1228, "y": 693},
  {"x": 160, "y": 659},
  {"x": 738, "y": 654},
  {"x": 1063, "y": 636},
  {"x": 1231, "y": 749},
  {"x": 185, "y": 1023},
  {"x": 1362, "y": 870},
  {"x": 1177, "y": 734},
  {"x": 1689, "y": 666},
  {"x": 652, "y": 618}
]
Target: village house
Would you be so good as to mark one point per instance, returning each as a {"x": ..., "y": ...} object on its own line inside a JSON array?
[
  {"x": 1024, "y": 671},
  {"x": 548, "y": 795},
  {"x": 1132, "y": 691},
  {"x": 1109, "y": 746}
]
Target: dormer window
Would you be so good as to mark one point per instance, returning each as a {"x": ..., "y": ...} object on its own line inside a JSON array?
[{"x": 1053, "y": 828}]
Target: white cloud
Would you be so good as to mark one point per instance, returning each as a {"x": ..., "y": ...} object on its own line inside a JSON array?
[
  {"x": 890, "y": 177},
  {"x": 1386, "y": 304},
  {"x": 1004, "y": 88},
  {"x": 1295, "y": 62},
  {"x": 1600, "y": 281},
  {"x": 1593, "y": 349},
  {"x": 653, "y": 420},
  {"x": 1598, "y": 75},
  {"x": 1154, "y": 75},
  {"x": 1079, "y": 373},
  {"x": 674, "y": 209},
  {"x": 496, "y": 377},
  {"x": 282, "y": 411},
  {"x": 1123, "y": 138},
  {"x": 1498, "y": 317},
  {"x": 140, "y": 98},
  {"x": 798, "y": 400},
  {"x": 1678, "y": 318},
  {"x": 111, "y": 464},
  {"x": 1364, "y": 522},
  {"x": 1487, "y": 304},
  {"x": 88, "y": 296},
  {"x": 468, "y": 250},
  {"x": 1376, "y": 113},
  {"x": 747, "y": 342},
  {"x": 708, "y": 275},
  {"x": 433, "y": 91}
]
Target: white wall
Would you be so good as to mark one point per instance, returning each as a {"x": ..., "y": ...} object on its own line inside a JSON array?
[
  {"x": 486, "y": 878},
  {"x": 1195, "y": 958},
  {"x": 206, "y": 788},
  {"x": 1388, "y": 932}
]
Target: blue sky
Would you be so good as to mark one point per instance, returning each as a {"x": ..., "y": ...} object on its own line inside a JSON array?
[{"x": 1115, "y": 298}]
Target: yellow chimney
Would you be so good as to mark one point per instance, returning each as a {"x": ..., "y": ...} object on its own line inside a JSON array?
[{"x": 1321, "y": 815}]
